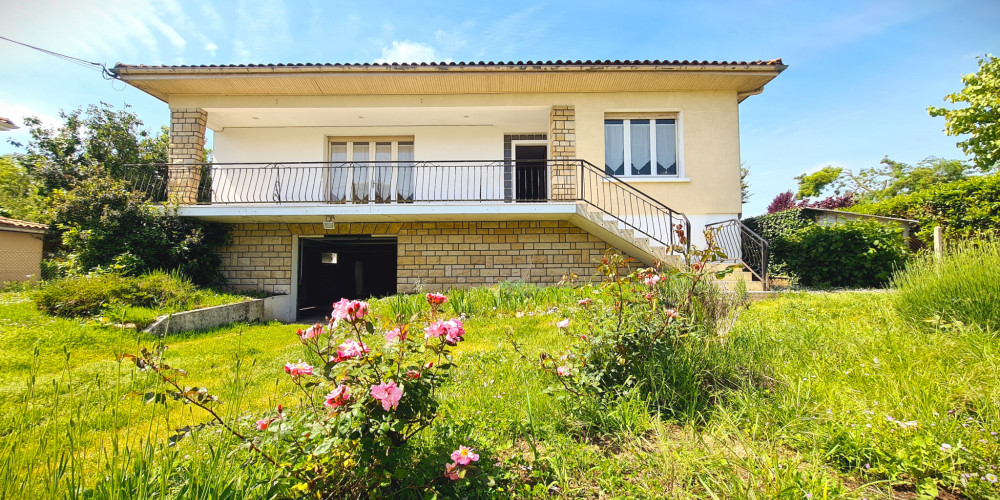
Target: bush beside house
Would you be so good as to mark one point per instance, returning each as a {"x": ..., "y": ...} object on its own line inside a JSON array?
[
  {"x": 964, "y": 209},
  {"x": 845, "y": 254}
]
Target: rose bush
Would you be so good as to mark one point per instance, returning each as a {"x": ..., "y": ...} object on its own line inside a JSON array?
[
  {"x": 641, "y": 330},
  {"x": 361, "y": 401}
]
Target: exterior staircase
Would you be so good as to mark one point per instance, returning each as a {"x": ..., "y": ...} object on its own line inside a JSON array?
[{"x": 651, "y": 251}]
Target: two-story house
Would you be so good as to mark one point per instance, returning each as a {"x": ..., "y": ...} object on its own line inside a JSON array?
[{"x": 366, "y": 179}]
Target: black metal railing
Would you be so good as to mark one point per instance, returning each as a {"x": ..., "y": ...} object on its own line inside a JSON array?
[
  {"x": 462, "y": 181},
  {"x": 743, "y": 246},
  {"x": 636, "y": 210}
]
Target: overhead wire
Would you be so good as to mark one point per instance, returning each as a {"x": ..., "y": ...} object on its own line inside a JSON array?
[{"x": 103, "y": 68}]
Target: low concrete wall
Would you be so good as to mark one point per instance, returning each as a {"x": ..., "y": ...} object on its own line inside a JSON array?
[{"x": 211, "y": 317}]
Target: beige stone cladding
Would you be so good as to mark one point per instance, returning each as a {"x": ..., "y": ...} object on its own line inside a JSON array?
[
  {"x": 186, "y": 150},
  {"x": 260, "y": 258},
  {"x": 431, "y": 255},
  {"x": 562, "y": 146}
]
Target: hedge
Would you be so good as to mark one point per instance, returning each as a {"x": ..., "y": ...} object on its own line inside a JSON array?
[
  {"x": 848, "y": 254},
  {"x": 964, "y": 209}
]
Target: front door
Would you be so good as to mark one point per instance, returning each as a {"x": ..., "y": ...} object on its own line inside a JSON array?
[{"x": 530, "y": 172}]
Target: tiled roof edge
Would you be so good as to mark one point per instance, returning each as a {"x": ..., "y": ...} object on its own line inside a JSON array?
[{"x": 627, "y": 62}]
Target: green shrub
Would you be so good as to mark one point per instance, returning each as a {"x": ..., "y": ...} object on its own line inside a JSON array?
[
  {"x": 90, "y": 295},
  {"x": 964, "y": 286},
  {"x": 964, "y": 209},
  {"x": 102, "y": 221},
  {"x": 778, "y": 224},
  {"x": 860, "y": 253}
]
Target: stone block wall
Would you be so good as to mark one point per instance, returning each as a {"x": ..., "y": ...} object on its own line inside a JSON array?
[
  {"x": 439, "y": 255},
  {"x": 260, "y": 258},
  {"x": 562, "y": 146},
  {"x": 186, "y": 151},
  {"x": 431, "y": 255}
]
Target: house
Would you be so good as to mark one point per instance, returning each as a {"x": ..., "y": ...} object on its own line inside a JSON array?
[
  {"x": 367, "y": 179},
  {"x": 20, "y": 249}
]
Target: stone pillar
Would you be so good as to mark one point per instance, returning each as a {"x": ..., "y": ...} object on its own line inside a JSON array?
[
  {"x": 186, "y": 153},
  {"x": 562, "y": 146}
]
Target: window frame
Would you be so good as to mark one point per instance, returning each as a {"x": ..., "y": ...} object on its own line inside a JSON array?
[
  {"x": 626, "y": 117},
  {"x": 349, "y": 193}
]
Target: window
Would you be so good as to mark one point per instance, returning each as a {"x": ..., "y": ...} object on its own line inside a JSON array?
[
  {"x": 369, "y": 167},
  {"x": 633, "y": 145}
]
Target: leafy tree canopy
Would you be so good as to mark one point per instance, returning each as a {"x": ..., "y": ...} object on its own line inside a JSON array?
[
  {"x": 981, "y": 118},
  {"x": 745, "y": 193},
  {"x": 20, "y": 193},
  {"x": 890, "y": 178},
  {"x": 100, "y": 137},
  {"x": 813, "y": 184}
]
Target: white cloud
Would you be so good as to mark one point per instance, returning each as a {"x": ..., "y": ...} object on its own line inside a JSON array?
[
  {"x": 408, "y": 52},
  {"x": 211, "y": 48}
]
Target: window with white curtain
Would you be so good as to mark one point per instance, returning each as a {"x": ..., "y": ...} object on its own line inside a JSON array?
[
  {"x": 640, "y": 147},
  {"x": 367, "y": 168}
]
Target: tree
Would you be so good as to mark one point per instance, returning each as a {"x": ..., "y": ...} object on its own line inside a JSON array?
[
  {"x": 981, "y": 119},
  {"x": 813, "y": 184},
  {"x": 745, "y": 193},
  {"x": 100, "y": 138},
  {"x": 892, "y": 178},
  {"x": 20, "y": 193},
  {"x": 782, "y": 202}
]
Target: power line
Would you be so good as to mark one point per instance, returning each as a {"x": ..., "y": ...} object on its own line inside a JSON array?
[{"x": 105, "y": 72}]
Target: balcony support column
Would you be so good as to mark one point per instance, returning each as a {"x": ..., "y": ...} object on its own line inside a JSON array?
[
  {"x": 186, "y": 154},
  {"x": 562, "y": 146}
]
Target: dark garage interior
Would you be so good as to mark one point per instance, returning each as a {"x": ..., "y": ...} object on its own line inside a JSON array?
[{"x": 335, "y": 267}]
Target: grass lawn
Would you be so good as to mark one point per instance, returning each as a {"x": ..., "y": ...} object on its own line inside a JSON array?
[{"x": 828, "y": 395}]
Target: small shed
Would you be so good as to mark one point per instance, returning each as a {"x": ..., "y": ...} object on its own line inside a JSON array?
[
  {"x": 827, "y": 217},
  {"x": 20, "y": 249}
]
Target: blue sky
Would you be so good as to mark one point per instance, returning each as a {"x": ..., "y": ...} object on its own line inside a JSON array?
[{"x": 861, "y": 73}]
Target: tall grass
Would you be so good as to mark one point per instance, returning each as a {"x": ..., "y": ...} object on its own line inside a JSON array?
[{"x": 964, "y": 286}]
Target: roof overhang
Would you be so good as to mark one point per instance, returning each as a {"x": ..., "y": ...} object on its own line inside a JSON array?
[{"x": 162, "y": 82}]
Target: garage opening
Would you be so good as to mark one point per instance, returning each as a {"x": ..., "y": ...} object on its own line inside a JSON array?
[{"x": 335, "y": 267}]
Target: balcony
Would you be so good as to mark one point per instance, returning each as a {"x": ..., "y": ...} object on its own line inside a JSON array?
[{"x": 429, "y": 189}]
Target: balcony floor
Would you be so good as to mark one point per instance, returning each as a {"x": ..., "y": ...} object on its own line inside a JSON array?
[{"x": 376, "y": 212}]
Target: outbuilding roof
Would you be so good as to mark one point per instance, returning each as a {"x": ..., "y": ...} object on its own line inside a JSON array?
[{"x": 7, "y": 224}]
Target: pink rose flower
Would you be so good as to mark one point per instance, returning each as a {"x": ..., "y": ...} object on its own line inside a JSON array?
[
  {"x": 350, "y": 349},
  {"x": 337, "y": 397},
  {"x": 395, "y": 335},
  {"x": 296, "y": 370},
  {"x": 452, "y": 330},
  {"x": 412, "y": 374},
  {"x": 357, "y": 310},
  {"x": 464, "y": 456},
  {"x": 350, "y": 310},
  {"x": 584, "y": 302},
  {"x": 263, "y": 423},
  {"x": 563, "y": 371},
  {"x": 652, "y": 280},
  {"x": 340, "y": 309},
  {"x": 388, "y": 394},
  {"x": 451, "y": 472},
  {"x": 311, "y": 332},
  {"x": 436, "y": 299},
  {"x": 564, "y": 324},
  {"x": 455, "y": 331}
]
